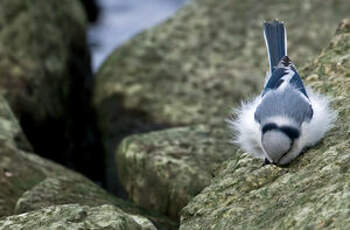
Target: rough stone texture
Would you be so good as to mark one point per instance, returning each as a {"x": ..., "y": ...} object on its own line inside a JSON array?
[
  {"x": 164, "y": 170},
  {"x": 12, "y": 169},
  {"x": 20, "y": 171},
  {"x": 76, "y": 217},
  {"x": 72, "y": 188},
  {"x": 62, "y": 190},
  {"x": 310, "y": 193},
  {"x": 10, "y": 131},
  {"x": 29, "y": 182},
  {"x": 194, "y": 67},
  {"x": 45, "y": 76}
]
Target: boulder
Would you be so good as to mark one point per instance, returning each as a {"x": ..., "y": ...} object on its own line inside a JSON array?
[
  {"x": 73, "y": 188},
  {"x": 194, "y": 67},
  {"x": 75, "y": 217},
  {"x": 311, "y": 192},
  {"x": 45, "y": 76},
  {"x": 164, "y": 170},
  {"x": 29, "y": 182},
  {"x": 20, "y": 171}
]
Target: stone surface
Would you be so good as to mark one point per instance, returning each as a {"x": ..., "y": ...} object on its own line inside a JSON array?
[
  {"x": 62, "y": 190},
  {"x": 10, "y": 131},
  {"x": 194, "y": 67},
  {"x": 45, "y": 76},
  {"x": 13, "y": 171},
  {"x": 164, "y": 170},
  {"x": 29, "y": 182},
  {"x": 74, "y": 216},
  {"x": 73, "y": 188},
  {"x": 312, "y": 192},
  {"x": 20, "y": 171}
]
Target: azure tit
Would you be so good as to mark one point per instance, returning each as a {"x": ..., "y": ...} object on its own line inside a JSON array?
[{"x": 286, "y": 117}]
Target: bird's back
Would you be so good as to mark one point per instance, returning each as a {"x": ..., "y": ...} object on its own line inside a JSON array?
[{"x": 287, "y": 103}]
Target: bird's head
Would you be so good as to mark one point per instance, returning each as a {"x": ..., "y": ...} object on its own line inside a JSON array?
[{"x": 279, "y": 142}]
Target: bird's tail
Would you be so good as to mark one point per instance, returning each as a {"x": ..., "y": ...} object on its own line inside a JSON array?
[{"x": 276, "y": 42}]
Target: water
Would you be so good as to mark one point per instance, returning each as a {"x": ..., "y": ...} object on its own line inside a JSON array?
[{"x": 121, "y": 19}]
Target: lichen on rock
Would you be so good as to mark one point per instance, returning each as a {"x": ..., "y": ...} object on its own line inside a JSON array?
[
  {"x": 70, "y": 188},
  {"x": 163, "y": 170},
  {"x": 312, "y": 192},
  {"x": 29, "y": 182},
  {"x": 75, "y": 216},
  {"x": 46, "y": 78},
  {"x": 10, "y": 130}
]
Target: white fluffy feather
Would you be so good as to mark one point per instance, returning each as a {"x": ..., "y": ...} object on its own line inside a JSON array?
[
  {"x": 322, "y": 120},
  {"x": 246, "y": 129}
]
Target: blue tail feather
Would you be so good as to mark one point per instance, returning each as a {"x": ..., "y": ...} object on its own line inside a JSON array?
[{"x": 276, "y": 42}]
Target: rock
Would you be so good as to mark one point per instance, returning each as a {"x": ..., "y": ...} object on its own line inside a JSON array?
[
  {"x": 11, "y": 139},
  {"x": 17, "y": 174},
  {"x": 310, "y": 193},
  {"x": 10, "y": 131},
  {"x": 194, "y": 67},
  {"x": 74, "y": 216},
  {"x": 164, "y": 170},
  {"x": 62, "y": 190},
  {"x": 29, "y": 182},
  {"x": 72, "y": 188},
  {"x": 45, "y": 76}
]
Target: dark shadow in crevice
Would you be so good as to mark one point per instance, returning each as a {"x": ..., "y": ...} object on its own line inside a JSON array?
[{"x": 120, "y": 123}]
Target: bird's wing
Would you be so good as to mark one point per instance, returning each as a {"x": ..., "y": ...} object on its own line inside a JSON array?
[{"x": 287, "y": 102}]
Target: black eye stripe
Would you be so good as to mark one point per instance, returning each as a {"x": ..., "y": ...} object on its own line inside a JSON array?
[
  {"x": 291, "y": 132},
  {"x": 268, "y": 127}
]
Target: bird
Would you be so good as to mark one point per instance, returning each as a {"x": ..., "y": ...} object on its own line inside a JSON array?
[{"x": 286, "y": 118}]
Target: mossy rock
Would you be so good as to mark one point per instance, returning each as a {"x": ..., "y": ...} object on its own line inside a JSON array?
[
  {"x": 164, "y": 170},
  {"x": 311, "y": 192},
  {"x": 36, "y": 39},
  {"x": 11, "y": 132},
  {"x": 76, "y": 217},
  {"x": 45, "y": 76},
  {"x": 29, "y": 182},
  {"x": 67, "y": 189}
]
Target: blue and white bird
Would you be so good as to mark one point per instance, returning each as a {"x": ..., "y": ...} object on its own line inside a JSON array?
[{"x": 286, "y": 117}]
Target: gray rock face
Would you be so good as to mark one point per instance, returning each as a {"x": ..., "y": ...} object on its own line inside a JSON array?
[
  {"x": 74, "y": 216},
  {"x": 34, "y": 55},
  {"x": 194, "y": 67},
  {"x": 29, "y": 182},
  {"x": 73, "y": 188},
  {"x": 45, "y": 76},
  {"x": 163, "y": 170},
  {"x": 10, "y": 131},
  {"x": 310, "y": 193}
]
